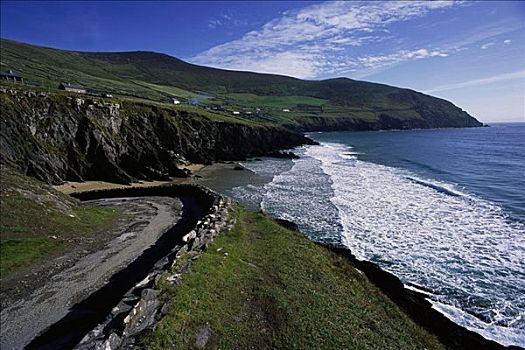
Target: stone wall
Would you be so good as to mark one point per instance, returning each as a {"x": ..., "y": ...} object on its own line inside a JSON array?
[{"x": 142, "y": 306}]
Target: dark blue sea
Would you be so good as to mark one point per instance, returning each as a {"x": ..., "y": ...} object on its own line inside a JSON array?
[{"x": 443, "y": 209}]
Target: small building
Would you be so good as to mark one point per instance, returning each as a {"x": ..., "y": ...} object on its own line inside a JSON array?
[
  {"x": 236, "y": 113},
  {"x": 72, "y": 88},
  {"x": 286, "y": 110},
  {"x": 216, "y": 108},
  {"x": 11, "y": 76},
  {"x": 175, "y": 101}
]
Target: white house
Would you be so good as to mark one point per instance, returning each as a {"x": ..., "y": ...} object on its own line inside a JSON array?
[
  {"x": 175, "y": 101},
  {"x": 72, "y": 88},
  {"x": 236, "y": 112},
  {"x": 286, "y": 110}
]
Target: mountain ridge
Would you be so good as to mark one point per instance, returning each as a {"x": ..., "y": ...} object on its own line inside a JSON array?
[{"x": 335, "y": 103}]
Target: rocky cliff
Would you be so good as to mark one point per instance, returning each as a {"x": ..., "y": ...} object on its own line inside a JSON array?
[{"x": 55, "y": 137}]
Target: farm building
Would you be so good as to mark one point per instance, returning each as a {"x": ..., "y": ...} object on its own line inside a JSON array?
[
  {"x": 175, "y": 101},
  {"x": 72, "y": 88},
  {"x": 286, "y": 110},
  {"x": 11, "y": 75}
]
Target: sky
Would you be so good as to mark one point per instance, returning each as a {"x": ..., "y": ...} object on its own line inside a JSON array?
[{"x": 471, "y": 53}]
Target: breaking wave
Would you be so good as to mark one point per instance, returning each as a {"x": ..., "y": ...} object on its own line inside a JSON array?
[
  {"x": 465, "y": 253},
  {"x": 464, "y": 249}
]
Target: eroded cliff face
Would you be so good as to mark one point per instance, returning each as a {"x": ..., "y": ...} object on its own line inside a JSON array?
[{"x": 55, "y": 137}]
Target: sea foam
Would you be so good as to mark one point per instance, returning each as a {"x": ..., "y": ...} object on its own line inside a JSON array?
[
  {"x": 464, "y": 252},
  {"x": 465, "y": 249}
]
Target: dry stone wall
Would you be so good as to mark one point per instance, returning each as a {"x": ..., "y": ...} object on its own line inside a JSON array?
[{"x": 142, "y": 305}]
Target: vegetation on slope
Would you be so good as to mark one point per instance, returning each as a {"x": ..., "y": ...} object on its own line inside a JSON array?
[
  {"x": 261, "y": 286},
  {"x": 159, "y": 77},
  {"x": 37, "y": 222},
  {"x": 58, "y": 137}
]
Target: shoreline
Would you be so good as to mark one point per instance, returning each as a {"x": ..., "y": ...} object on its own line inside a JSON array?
[
  {"x": 418, "y": 308},
  {"x": 198, "y": 173},
  {"x": 412, "y": 301}
]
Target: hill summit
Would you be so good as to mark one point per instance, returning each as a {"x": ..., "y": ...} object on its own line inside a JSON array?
[{"x": 332, "y": 104}]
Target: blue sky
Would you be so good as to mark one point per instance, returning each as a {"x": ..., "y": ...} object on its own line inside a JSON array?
[{"x": 471, "y": 53}]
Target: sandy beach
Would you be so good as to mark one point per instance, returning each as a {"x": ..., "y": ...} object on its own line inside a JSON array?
[
  {"x": 220, "y": 176},
  {"x": 72, "y": 186}
]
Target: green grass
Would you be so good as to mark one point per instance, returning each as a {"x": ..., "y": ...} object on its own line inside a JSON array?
[
  {"x": 168, "y": 90},
  {"x": 17, "y": 253},
  {"x": 157, "y": 77},
  {"x": 38, "y": 222},
  {"x": 275, "y": 289},
  {"x": 275, "y": 101}
]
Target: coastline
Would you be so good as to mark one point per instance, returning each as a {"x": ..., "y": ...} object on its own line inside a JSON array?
[
  {"x": 419, "y": 309},
  {"x": 414, "y": 303},
  {"x": 70, "y": 187}
]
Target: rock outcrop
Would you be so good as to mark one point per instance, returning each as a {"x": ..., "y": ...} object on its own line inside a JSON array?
[{"x": 55, "y": 137}]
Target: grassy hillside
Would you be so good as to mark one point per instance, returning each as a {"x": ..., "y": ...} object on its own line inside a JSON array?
[
  {"x": 263, "y": 97},
  {"x": 37, "y": 222},
  {"x": 262, "y": 286}
]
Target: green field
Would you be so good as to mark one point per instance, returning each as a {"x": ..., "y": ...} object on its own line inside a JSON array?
[
  {"x": 37, "y": 222},
  {"x": 158, "y": 77},
  {"x": 262, "y": 286}
]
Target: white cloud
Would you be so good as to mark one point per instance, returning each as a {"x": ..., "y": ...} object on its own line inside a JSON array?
[
  {"x": 485, "y": 81},
  {"x": 403, "y": 55},
  {"x": 226, "y": 19},
  {"x": 507, "y": 42},
  {"x": 214, "y": 23},
  {"x": 487, "y": 45},
  {"x": 309, "y": 43}
]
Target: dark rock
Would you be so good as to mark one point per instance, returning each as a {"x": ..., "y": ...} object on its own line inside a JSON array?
[
  {"x": 290, "y": 225},
  {"x": 238, "y": 167},
  {"x": 419, "y": 309},
  {"x": 165, "y": 309},
  {"x": 53, "y": 139}
]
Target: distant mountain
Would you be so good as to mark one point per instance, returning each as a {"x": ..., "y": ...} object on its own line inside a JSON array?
[{"x": 333, "y": 104}]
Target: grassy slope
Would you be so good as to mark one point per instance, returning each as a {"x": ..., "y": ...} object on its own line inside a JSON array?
[
  {"x": 157, "y": 77},
  {"x": 32, "y": 212},
  {"x": 276, "y": 289}
]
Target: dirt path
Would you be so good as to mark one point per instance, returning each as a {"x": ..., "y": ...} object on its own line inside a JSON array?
[{"x": 49, "y": 291}]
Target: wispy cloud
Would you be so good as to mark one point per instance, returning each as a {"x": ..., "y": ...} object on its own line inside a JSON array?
[
  {"x": 507, "y": 42},
  {"x": 487, "y": 45},
  {"x": 226, "y": 19},
  {"x": 478, "y": 82},
  {"x": 316, "y": 40},
  {"x": 403, "y": 55}
]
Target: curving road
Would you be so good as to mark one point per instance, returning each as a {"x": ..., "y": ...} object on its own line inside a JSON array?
[{"x": 82, "y": 273}]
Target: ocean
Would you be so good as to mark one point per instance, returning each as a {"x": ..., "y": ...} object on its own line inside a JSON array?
[{"x": 444, "y": 210}]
